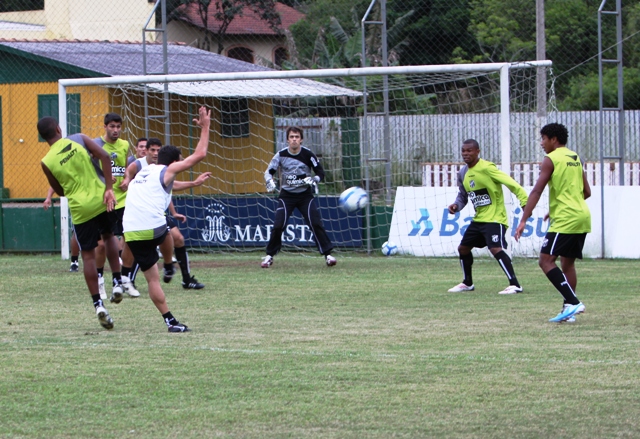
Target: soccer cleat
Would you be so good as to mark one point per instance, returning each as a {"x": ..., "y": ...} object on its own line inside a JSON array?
[
  {"x": 104, "y": 318},
  {"x": 103, "y": 292},
  {"x": 168, "y": 274},
  {"x": 129, "y": 287},
  {"x": 74, "y": 267},
  {"x": 331, "y": 261},
  {"x": 117, "y": 294},
  {"x": 192, "y": 284},
  {"x": 266, "y": 261},
  {"x": 511, "y": 289},
  {"x": 461, "y": 287},
  {"x": 178, "y": 327},
  {"x": 568, "y": 311}
]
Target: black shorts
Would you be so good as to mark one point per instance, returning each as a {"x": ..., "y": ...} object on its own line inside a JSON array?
[
  {"x": 145, "y": 252},
  {"x": 568, "y": 245},
  {"x": 488, "y": 235},
  {"x": 115, "y": 216},
  {"x": 171, "y": 222},
  {"x": 90, "y": 232}
]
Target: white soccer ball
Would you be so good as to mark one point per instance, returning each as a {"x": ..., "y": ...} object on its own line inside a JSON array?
[
  {"x": 353, "y": 199},
  {"x": 389, "y": 248}
]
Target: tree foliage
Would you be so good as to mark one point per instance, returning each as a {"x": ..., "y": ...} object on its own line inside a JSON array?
[{"x": 464, "y": 31}]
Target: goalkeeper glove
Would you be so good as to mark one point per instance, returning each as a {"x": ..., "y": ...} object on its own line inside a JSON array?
[
  {"x": 271, "y": 185},
  {"x": 309, "y": 180}
]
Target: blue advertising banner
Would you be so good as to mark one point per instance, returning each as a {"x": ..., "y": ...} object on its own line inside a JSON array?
[{"x": 248, "y": 221}]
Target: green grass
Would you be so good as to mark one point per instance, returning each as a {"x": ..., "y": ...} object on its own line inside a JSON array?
[{"x": 372, "y": 348}]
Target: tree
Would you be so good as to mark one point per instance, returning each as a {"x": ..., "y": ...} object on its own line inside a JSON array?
[
  {"x": 318, "y": 18},
  {"x": 223, "y": 12},
  {"x": 437, "y": 32},
  {"x": 504, "y": 30}
]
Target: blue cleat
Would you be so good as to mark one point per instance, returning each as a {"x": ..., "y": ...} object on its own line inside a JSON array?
[{"x": 568, "y": 313}]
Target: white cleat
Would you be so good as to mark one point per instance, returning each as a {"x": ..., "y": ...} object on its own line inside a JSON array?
[
  {"x": 117, "y": 293},
  {"x": 104, "y": 318},
  {"x": 129, "y": 288},
  {"x": 267, "y": 261},
  {"x": 461, "y": 287},
  {"x": 103, "y": 292},
  {"x": 331, "y": 261},
  {"x": 511, "y": 289}
]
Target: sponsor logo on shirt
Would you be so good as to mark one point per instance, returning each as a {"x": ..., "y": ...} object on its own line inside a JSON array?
[
  {"x": 480, "y": 198},
  {"x": 68, "y": 156},
  {"x": 295, "y": 180}
]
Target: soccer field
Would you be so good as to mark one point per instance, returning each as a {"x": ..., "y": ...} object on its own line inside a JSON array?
[{"x": 372, "y": 348}]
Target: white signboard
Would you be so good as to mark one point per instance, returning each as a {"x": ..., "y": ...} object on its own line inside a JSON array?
[{"x": 422, "y": 226}]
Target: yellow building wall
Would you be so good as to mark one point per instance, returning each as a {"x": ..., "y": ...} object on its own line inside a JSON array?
[
  {"x": 22, "y": 151},
  {"x": 237, "y": 164}
]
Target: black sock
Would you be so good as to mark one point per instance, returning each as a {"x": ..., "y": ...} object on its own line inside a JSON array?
[
  {"x": 117, "y": 278},
  {"x": 169, "y": 319},
  {"x": 557, "y": 278},
  {"x": 505, "y": 262},
  {"x": 183, "y": 261},
  {"x": 125, "y": 271},
  {"x": 134, "y": 271},
  {"x": 101, "y": 272},
  {"x": 466, "y": 262},
  {"x": 74, "y": 259},
  {"x": 96, "y": 300}
]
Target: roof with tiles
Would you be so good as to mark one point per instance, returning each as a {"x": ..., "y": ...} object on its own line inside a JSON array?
[
  {"x": 248, "y": 23},
  {"x": 76, "y": 59},
  {"x": 115, "y": 58}
]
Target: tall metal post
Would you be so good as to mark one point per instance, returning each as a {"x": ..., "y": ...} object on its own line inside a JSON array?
[
  {"x": 162, "y": 4},
  {"x": 619, "y": 109},
  {"x": 541, "y": 73},
  {"x": 386, "y": 134}
]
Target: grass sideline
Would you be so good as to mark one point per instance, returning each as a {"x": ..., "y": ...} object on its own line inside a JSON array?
[{"x": 374, "y": 347}]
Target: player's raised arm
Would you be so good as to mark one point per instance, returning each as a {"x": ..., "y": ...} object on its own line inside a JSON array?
[{"x": 204, "y": 122}]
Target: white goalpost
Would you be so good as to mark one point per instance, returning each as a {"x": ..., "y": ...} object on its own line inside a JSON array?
[{"x": 432, "y": 109}]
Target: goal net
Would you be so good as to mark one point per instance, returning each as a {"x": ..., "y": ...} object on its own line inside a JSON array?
[{"x": 395, "y": 131}]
